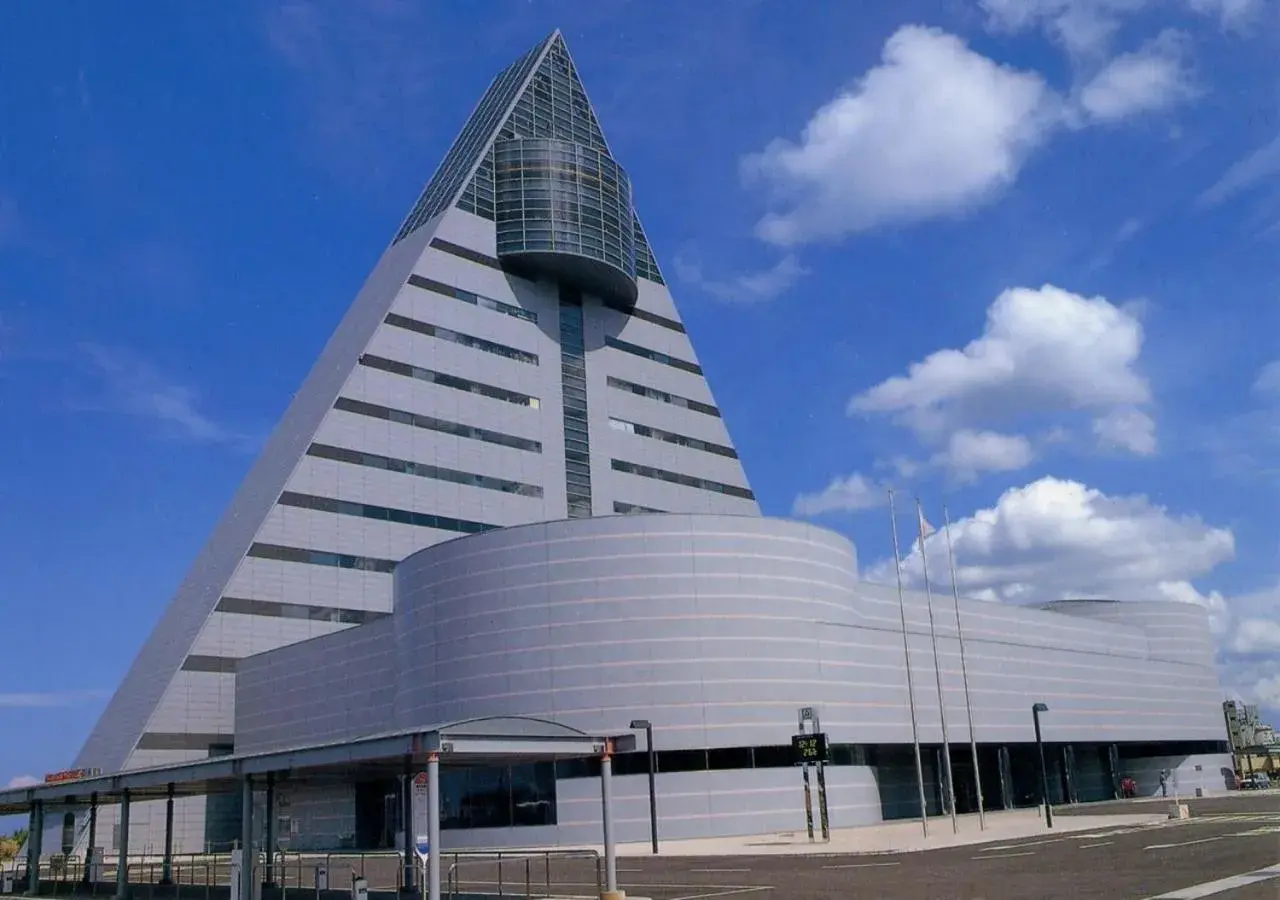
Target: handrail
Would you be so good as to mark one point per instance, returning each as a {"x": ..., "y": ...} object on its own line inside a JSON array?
[{"x": 453, "y": 880}]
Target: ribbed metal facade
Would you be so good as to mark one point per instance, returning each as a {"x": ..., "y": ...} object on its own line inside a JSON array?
[{"x": 717, "y": 629}]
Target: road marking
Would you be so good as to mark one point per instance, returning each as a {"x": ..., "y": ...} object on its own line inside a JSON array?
[
  {"x": 1023, "y": 844},
  {"x": 862, "y": 865},
  {"x": 1006, "y": 855},
  {"x": 708, "y": 871},
  {"x": 732, "y": 892},
  {"x": 1209, "y": 888},
  {"x": 1184, "y": 843},
  {"x": 1100, "y": 844}
]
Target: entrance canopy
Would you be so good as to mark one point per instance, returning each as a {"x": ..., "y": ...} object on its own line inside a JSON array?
[{"x": 494, "y": 741}]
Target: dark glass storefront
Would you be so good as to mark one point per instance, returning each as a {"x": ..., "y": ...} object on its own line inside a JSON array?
[
  {"x": 476, "y": 797},
  {"x": 525, "y": 795}
]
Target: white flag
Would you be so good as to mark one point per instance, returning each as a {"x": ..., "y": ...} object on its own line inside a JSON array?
[{"x": 925, "y": 528}]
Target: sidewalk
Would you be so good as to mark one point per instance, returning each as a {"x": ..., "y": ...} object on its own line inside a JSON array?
[{"x": 898, "y": 836}]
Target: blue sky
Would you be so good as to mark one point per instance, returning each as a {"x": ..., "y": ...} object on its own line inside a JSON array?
[{"x": 1014, "y": 256}]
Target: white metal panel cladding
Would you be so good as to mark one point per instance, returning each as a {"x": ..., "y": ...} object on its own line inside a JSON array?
[{"x": 718, "y": 627}]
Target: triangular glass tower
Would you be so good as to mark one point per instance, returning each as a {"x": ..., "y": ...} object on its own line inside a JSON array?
[{"x": 514, "y": 357}]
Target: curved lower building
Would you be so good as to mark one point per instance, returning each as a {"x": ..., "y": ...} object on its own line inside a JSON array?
[
  {"x": 718, "y": 629},
  {"x": 506, "y": 488}
]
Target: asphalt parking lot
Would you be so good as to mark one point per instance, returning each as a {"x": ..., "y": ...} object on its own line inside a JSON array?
[{"x": 1224, "y": 838}]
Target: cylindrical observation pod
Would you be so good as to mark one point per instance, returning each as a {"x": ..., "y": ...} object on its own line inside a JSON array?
[{"x": 564, "y": 210}]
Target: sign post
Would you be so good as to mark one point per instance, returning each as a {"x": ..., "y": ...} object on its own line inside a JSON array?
[
  {"x": 811, "y": 748},
  {"x": 421, "y": 811}
]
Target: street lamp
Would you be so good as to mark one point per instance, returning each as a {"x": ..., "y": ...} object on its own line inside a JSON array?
[
  {"x": 1044, "y": 772},
  {"x": 637, "y": 724}
]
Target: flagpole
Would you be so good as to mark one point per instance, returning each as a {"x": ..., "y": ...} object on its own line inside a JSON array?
[
  {"x": 937, "y": 670},
  {"x": 964, "y": 670},
  {"x": 911, "y": 691}
]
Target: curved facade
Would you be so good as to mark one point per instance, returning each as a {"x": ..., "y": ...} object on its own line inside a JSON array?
[
  {"x": 718, "y": 629},
  {"x": 564, "y": 210}
]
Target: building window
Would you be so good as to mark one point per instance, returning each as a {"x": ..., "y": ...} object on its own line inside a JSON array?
[
  {"x": 686, "y": 480},
  {"x": 462, "y": 340},
  {"x": 644, "y": 315},
  {"x": 422, "y": 470},
  {"x": 321, "y": 558},
  {"x": 507, "y": 309},
  {"x": 628, "y": 509},
  {"x": 573, "y": 380},
  {"x": 276, "y": 610},
  {"x": 655, "y": 355},
  {"x": 498, "y": 797},
  {"x": 445, "y": 380},
  {"x": 381, "y": 513},
  {"x": 429, "y": 423},
  {"x": 662, "y": 396},
  {"x": 672, "y": 437}
]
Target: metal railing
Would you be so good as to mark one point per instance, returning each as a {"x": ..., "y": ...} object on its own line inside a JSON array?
[
  {"x": 298, "y": 875},
  {"x": 520, "y": 873}
]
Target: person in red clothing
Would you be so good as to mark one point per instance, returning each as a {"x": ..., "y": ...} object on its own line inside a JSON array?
[{"x": 1128, "y": 787}]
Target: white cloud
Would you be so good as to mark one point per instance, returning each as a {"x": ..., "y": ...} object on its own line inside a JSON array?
[
  {"x": 1127, "y": 428},
  {"x": 1232, "y": 14},
  {"x": 752, "y": 287},
  {"x": 1261, "y": 165},
  {"x": 1249, "y": 647},
  {"x": 1081, "y": 27},
  {"x": 134, "y": 387},
  {"x": 1085, "y": 28},
  {"x": 969, "y": 453},
  {"x": 21, "y": 781},
  {"x": 935, "y": 129},
  {"x": 1041, "y": 351},
  {"x": 1151, "y": 79},
  {"x": 1268, "y": 380},
  {"x": 1056, "y": 539},
  {"x": 844, "y": 494},
  {"x": 1266, "y": 691},
  {"x": 1256, "y": 636}
]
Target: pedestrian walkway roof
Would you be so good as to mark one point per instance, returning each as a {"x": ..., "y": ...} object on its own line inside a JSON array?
[{"x": 491, "y": 741}]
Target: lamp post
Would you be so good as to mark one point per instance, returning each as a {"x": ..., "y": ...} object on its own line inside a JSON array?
[
  {"x": 637, "y": 724},
  {"x": 1044, "y": 772}
]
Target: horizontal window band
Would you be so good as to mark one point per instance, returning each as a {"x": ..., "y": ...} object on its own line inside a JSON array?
[
  {"x": 430, "y": 423},
  {"x": 463, "y": 253},
  {"x": 628, "y": 509},
  {"x": 321, "y": 558},
  {"x": 672, "y": 437},
  {"x": 381, "y": 513},
  {"x": 200, "y": 663},
  {"x": 171, "y": 740},
  {"x": 654, "y": 355},
  {"x": 276, "y": 610},
  {"x": 685, "y": 480},
  {"x": 894, "y": 758},
  {"x": 663, "y": 396},
  {"x": 643, "y": 315},
  {"x": 439, "y": 287},
  {"x": 646, "y": 272},
  {"x": 422, "y": 470},
  {"x": 383, "y": 364},
  {"x": 462, "y": 340}
]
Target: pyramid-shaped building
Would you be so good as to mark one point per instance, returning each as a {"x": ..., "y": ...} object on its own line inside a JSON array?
[
  {"x": 514, "y": 357},
  {"x": 505, "y": 492}
]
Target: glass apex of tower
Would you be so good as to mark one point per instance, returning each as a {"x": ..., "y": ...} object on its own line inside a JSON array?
[{"x": 533, "y": 159}]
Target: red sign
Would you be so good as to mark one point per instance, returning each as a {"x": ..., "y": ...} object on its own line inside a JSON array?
[
  {"x": 420, "y": 780},
  {"x": 70, "y": 775}
]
